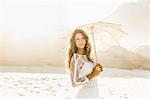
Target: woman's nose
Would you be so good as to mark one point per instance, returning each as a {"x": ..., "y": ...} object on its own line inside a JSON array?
[{"x": 80, "y": 40}]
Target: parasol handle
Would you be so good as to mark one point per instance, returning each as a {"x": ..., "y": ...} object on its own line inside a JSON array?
[{"x": 94, "y": 44}]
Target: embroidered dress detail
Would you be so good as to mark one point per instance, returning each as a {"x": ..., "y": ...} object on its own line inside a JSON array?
[{"x": 80, "y": 67}]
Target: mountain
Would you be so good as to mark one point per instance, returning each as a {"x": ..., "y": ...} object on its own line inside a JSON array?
[
  {"x": 119, "y": 57},
  {"x": 145, "y": 52}
]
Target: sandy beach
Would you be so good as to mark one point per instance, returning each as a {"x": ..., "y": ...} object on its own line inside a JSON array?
[{"x": 55, "y": 84}]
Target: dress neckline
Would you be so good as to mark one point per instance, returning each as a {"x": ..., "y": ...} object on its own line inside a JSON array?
[{"x": 80, "y": 54}]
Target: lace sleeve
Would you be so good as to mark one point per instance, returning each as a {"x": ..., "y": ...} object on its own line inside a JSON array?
[{"x": 74, "y": 68}]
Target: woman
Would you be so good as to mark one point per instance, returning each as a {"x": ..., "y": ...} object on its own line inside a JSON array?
[{"x": 82, "y": 68}]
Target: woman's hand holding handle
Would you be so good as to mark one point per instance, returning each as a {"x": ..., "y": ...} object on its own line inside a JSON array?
[{"x": 96, "y": 70}]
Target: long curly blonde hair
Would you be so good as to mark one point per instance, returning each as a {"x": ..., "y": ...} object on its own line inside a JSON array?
[{"x": 73, "y": 49}]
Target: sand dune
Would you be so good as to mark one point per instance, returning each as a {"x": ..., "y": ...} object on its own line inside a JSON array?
[
  {"x": 28, "y": 49},
  {"x": 119, "y": 57},
  {"x": 145, "y": 66},
  {"x": 116, "y": 57},
  {"x": 47, "y": 50},
  {"x": 143, "y": 51}
]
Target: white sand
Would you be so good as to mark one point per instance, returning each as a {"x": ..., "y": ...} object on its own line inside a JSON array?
[{"x": 113, "y": 84}]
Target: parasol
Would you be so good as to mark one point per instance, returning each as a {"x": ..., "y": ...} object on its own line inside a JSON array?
[{"x": 102, "y": 35}]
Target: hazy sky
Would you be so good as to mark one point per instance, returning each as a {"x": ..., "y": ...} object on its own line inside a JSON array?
[{"x": 25, "y": 19}]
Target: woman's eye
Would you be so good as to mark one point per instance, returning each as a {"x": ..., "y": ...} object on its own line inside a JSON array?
[{"x": 83, "y": 38}]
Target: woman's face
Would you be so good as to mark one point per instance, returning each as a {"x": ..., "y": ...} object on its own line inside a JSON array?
[{"x": 80, "y": 41}]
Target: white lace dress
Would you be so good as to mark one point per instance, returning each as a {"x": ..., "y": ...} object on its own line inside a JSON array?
[{"x": 80, "y": 68}]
